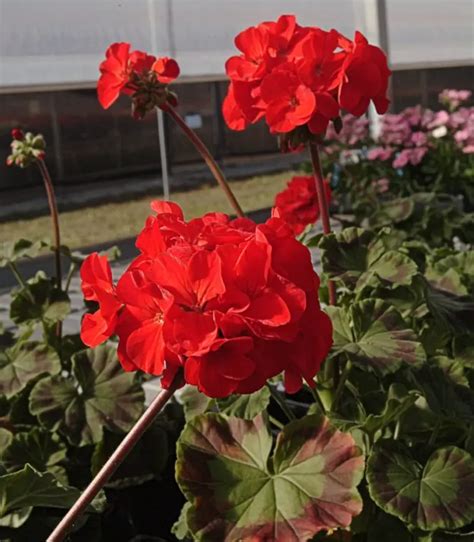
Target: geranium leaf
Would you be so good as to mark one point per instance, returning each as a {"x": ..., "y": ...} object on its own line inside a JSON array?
[
  {"x": 379, "y": 336},
  {"x": 358, "y": 257},
  {"x": 11, "y": 251},
  {"x": 23, "y": 362},
  {"x": 107, "y": 397},
  {"x": 28, "y": 488},
  {"x": 430, "y": 496},
  {"x": 39, "y": 301},
  {"x": 344, "y": 254},
  {"x": 239, "y": 492},
  {"x": 453, "y": 311},
  {"x": 194, "y": 402},
  {"x": 399, "y": 400},
  {"x": 392, "y": 267},
  {"x": 245, "y": 406},
  {"x": 41, "y": 449}
]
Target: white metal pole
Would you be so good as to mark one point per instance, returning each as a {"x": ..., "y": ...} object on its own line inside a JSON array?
[
  {"x": 164, "y": 158},
  {"x": 152, "y": 15},
  {"x": 376, "y": 31}
]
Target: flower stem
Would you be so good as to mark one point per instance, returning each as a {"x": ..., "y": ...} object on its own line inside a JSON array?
[
  {"x": 206, "y": 155},
  {"x": 317, "y": 399},
  {"x": 281, "y": 402},
  {"x": 124, "y": 448},
  {"x": 323, "y": 204},
  {"x": 341, "y": 384},
  {"x": 17, "y": 275},
  {"x": 53, "y": 209}
]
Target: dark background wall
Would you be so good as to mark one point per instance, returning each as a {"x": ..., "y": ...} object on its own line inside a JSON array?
[{"x": 87, "y": 143}]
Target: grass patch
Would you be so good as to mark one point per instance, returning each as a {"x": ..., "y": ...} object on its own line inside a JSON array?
[{"x": 113, "y": 221}]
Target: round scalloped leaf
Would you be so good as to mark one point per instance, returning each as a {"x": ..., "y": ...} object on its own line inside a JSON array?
[
  {"x": 374, "y": 334},
  {"x": 437, "y": 495},
  {"x": 28, "y": 488},
  {"x": 41, "y": 449},
  {"x": 24, "y": 362},
  {"x": 106, "y": 397},
  {"x": 11, "y": 251},
  {"x": 238, "y": 492},
  {"x": 39, "y": 301}
]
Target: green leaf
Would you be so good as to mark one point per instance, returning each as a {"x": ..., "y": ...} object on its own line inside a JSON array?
[
  {"x": 40, "y": 301},
  {"x": 359, "y": 257},
  {"x": 41, "y": 449},
  {"x": 245, "y": 406},
  {"x": 238, "y": 491},
  {"x": 194, "y": 402},
  {"x": 180, "y": 528},
  {"x": 5, "y": 439},
  {"x": 394, "y": 211},
  {"x": 106, "y": 397},
  {"x": 28, "y": 488},
  {"x": 452, "y": 368},
  {"x": 430, "y": 496},
  {"x": 11, "y": 251},
  {"x": 399, "y": 400},
  {"x": 23, "y": 362},
  {"x": 374, "y": 334},
  {"x": 392, "y": 267},
  {"x": 453, "y": 311}
]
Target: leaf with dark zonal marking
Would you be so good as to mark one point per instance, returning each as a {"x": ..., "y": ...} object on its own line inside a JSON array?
[
  {"x": 374, "y": 334},
  {"x": 430, "y": 496},
  {"x": 107, "y": 397},
  {"x": 23, "y": 362},
  {"x": 239, "y": 492}
]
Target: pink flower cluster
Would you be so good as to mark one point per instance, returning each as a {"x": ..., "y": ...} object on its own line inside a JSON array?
[
  {"x": 354, "y": 131},
  {"x": 452, "y": 98}
]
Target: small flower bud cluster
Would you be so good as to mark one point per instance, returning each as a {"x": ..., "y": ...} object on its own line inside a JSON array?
[{"x": 25, "y": 148}]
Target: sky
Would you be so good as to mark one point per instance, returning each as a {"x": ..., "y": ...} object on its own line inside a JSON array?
[{"x": 54, "y": 42}]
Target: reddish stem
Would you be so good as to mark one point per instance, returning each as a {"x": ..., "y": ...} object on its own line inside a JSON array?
[
  {"x": 207, "y": 156},
  {"x": 53, "y": 209},
  {"x": 114, "y": 461},
  {"x": 323, "y": 205}
]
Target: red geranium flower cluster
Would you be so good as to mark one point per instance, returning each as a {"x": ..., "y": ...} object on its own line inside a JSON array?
[
  {"x": 302, "y": 76},
  {"x": 231, "y": 302},
  {"x": 298, "y": 204},
  {"x": 136, "y": 74}
]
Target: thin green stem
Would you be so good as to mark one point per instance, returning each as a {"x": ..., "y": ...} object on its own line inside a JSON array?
[
  {"x": 276, "y": 423},
  {"x": 341, "y": 384},
  {"x": 70, "y": 274},
  {"x": 281, "y": 402},
  {"x": 208, "y": 158},
  {"x": 317, "y": 399},
  {"x": 17, "y": 275}
]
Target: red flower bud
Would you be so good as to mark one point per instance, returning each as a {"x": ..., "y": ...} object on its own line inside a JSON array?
[{"x": 18, "y": 134}]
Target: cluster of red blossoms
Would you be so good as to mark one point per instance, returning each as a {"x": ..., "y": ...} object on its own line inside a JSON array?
[
  {"x": 302, "y": 76},
  {"x": 232, "y": 303},
  {"x": 137, "y": 74},
  {"x": 298, "y": 204}
]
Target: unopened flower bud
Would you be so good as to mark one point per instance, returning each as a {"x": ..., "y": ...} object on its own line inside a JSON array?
[{"x": 17, "y": 134}]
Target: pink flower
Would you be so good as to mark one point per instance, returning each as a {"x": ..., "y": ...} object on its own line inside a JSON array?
[
  {"x": 441, "y": 118},
  {"x": 380, "y": 153},
  {"x": 419, "y": 139}
]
